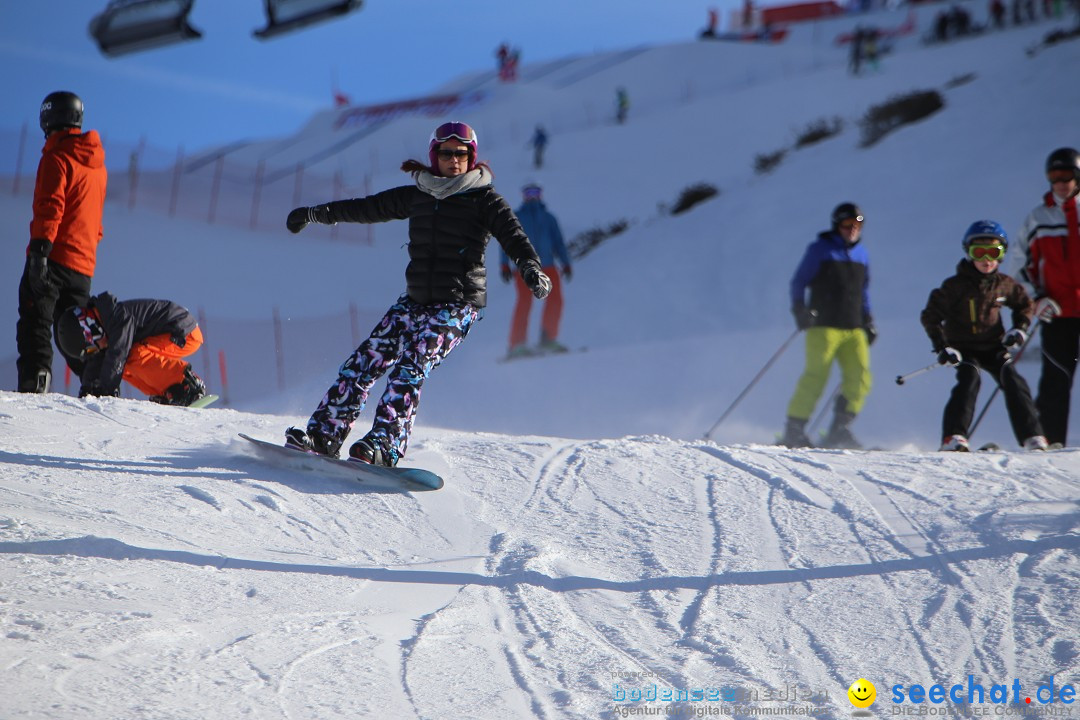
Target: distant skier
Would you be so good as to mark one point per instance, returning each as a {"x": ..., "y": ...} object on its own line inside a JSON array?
[
  {"x": 622, "y": 105},
  {"x": 838, "y": 325},
  {"x": 141, "y": 341},
  {"x": 69, "y": 197},
  {"x": 1048, "y": 260},
  {"x": 539, "y": 143},
  {"x": 546, "y": 236},
  {"x": 452, "y": 209},
  {"x": 963, "y": 320}
]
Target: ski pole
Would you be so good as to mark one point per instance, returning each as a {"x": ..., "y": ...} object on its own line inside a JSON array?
[
  {"x": 824, "y": 409},
  {"x": 773, "y": 359},
  {"x": 901, "y": 379},
  {"x": 997, "y": 389}
]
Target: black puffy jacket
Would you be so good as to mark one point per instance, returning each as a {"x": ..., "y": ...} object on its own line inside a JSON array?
[{"x": 447, "y": 238}]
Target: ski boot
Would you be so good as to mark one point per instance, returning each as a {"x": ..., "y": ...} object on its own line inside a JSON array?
[
  {"x": 955, "y": 443},
  {"x": 840, "y": 432},
  {"x": 1036, "y": 443},
  {"x": 795, "y": 434},
  {"x": 370, "y": 450},
  {"x": 38, "y": 382},
  {"x": 551, "y": 345},
  {"x": 315, "y": 443},
  {"x": 183, "y": 393}
]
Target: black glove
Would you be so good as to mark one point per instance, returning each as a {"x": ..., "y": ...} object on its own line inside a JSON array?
[
  {"x": 568, "y": 273},
  {"x": 179, "y": 340},
  {"x": 949, "y": 356},
  {"x": 300, "y": 217},
  {"x": 505, "y": 274},
  {"x": 37, "y": 267},
  {"x": 804, "y": 316},
  {"x": 1014, "y": 339},
  {"x": 871, "y": 332},
  {"x": 536, "y": 280}
]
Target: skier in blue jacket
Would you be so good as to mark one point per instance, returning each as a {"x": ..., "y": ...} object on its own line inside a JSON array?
[
  {"x": 544, "y": 233},
  {"x": 838, "y": 324}
]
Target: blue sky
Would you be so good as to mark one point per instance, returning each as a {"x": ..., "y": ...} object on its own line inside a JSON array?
[{"x": 230, "y": 86}]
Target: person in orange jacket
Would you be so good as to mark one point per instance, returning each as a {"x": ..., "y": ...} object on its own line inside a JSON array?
[{"x": 69, "y": 197}]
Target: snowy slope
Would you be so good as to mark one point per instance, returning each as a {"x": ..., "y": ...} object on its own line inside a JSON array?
[
  {"x": 678, "y": 313},
  {"x": 586, "y": 543},
  {"x": 153, "y": 569}
]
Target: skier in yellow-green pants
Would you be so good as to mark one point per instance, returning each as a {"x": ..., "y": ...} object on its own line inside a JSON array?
[{"x": 839, "y": 327}]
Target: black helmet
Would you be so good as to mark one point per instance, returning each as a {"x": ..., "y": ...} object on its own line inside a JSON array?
[
  {"x": 846, "y": 211},
  {"x": 76, "y": 330},
  {"x": 1065, "y": 158},
  {"x": 60, "y": 110}
]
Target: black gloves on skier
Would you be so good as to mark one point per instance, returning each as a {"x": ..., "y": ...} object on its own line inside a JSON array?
[
  {"x": 870, "y": 330},
  {"x": 536, "y": 280},
  {"x": 300, "y": 217},
  {"x": 804, "y": 316},
  {"x": 1014, "y": 339},
  {"x": 950, "y": 356},
  {"x": 505, "y": 273},
  {"x": 37, "y": 267}
]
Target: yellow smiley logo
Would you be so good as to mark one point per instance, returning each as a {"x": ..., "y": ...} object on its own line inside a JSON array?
[{"x": 862, "y": 693}]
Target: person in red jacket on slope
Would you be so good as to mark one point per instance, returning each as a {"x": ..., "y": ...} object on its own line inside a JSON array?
[{"x": 69, "y": 196}]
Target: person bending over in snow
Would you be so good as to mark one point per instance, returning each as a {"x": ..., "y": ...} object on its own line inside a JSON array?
[
  {"x": 452, "y": 209},
  {"x": 141, "y": 341},
  {"x": 963, "y": 320}
]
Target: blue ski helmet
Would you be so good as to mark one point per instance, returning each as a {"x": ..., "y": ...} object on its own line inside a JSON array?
[{"x": 985, "y": 229}]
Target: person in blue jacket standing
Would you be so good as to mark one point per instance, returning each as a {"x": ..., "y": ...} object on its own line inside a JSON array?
[
  {"x": 838, "y": 324},
  {"x": 543, "y": 230}
]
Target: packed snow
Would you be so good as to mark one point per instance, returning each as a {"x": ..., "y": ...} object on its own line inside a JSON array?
[{"x": 590, "y": 551}]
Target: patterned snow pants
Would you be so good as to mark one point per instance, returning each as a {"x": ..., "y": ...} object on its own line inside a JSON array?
[{"x": 409, "y": 342}]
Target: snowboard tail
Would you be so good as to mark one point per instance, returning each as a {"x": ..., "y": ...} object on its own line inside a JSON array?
[{"x": 396, "y": 478}]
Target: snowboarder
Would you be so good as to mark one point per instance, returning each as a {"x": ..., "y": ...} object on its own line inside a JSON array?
[
  {"x": 963, "y": 320},
  {"x": 452, "y": 209},
  {"x": 1048, "y": 261},
  {"x": 141, "y": 341},
  {"x": 838, "y": 325},
  {"x": 69, "y": 196},
  {"x": 543, "y": 230}
]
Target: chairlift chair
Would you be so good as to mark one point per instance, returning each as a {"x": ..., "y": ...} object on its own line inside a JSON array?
[
  {"x": 283, "y": 16},
  {"x": 131, "y": 25}
]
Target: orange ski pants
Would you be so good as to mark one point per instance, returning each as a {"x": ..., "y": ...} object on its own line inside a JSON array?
[
  {"x": 549, "y": 320},
  {"x": 155, "y": 363}
]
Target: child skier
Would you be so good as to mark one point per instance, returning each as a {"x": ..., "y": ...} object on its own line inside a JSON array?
[
  {"x": 452, "y": 209},
  {"x": 963, "y": 320},
  {"x": 141, "y": 341}
]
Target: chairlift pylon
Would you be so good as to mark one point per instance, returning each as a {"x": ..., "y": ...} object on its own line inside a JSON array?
[{"x": 130, "y": 25}]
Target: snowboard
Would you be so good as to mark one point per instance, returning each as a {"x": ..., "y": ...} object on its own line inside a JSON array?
[
  {"x": 204, "y": 401},
  {"x": 537, "y": 352},
  {"x": 395, "y": 478}
]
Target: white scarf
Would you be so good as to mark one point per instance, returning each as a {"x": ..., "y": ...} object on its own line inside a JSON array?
[{"x": 444, "y": 187}]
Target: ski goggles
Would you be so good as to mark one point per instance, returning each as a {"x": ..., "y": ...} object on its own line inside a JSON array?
[
  {"x": 92, "y": 331},
  {"x": 458, "y": 130},
  {"x": 986, "y": 252},
  {"x": 1060, "y": 176}
]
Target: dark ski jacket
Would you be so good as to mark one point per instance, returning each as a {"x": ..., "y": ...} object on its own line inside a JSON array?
[
  {"x": 447, "y": 238},
  {"x": 838, "y": 276},
  {"x": 965, "y": 312},
  {"x": 127, "y": 323}
]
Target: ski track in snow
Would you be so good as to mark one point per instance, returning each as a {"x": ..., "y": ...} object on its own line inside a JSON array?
[{"x": 546, "y": 568}]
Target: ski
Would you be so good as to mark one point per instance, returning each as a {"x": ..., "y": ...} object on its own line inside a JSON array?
[{"x": 205, "y": 401}]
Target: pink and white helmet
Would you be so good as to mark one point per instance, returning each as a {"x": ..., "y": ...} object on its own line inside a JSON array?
[{"x": 446, "y": 131}]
